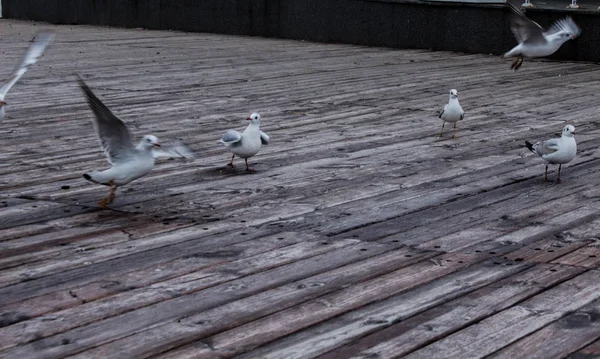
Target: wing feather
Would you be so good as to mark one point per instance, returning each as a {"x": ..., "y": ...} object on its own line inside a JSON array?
[
  {"x": 36, "y": 49},
  {"x": 112, "y": 132},
  {"x": 230, "y": 137},
  {"x": 177, "y": 149},
  {"x": 264, "y": 138},
  {"x": 524, "y": 29},
  {"x": 567, "y": 24}
]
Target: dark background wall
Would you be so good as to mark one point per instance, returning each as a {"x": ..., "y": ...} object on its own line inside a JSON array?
[{"x": 474, "y": 28}]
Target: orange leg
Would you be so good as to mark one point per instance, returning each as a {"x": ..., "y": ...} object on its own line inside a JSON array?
[
  {"x": 230, "y": 164},
  {"x": 109, "y": 199}
]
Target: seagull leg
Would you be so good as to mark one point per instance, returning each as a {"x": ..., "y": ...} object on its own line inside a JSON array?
[
  {"x": 558, "y": 176},
  {"x": 546, "y": 175},
  {"x": 247, "y": 168},
  {"x": 230, "y": 164},
  {"x": 454, "y": 131},
  {"x": 443, "y": 124},
  {"x": 518, "y": 62},
  {"x": 111, "y": 196}
]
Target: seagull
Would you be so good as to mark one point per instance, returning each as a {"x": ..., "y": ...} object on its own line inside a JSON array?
[
  {"x": 247, "y": 143},
  {"x": 42, "y": 39},
  {"x": 557, "y": 150},
  {"x": 452, "y": 112},
  {"x": 533, "y": 40},
  {"x": 128, "y": 162}
]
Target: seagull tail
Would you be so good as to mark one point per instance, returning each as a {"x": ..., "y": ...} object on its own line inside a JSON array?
[
  {"x": 95, "y": 177},
  {"x": 529, "y": 146}
]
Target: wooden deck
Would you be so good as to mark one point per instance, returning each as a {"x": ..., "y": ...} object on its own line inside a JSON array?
[{"x": 361, "y": 235}]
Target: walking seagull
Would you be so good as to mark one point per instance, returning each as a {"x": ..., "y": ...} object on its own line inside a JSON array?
[
  {"x": 533, "y": 40},
  {"x": 128, "y": 162},
  {"x": 557, "y": 150},
  {"x": 247, "y": 143},
  {"x": 452, "y": 112},
  {"x": 36, "y": 49}
]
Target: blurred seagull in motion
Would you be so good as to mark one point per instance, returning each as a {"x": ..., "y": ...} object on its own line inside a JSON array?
[
  {"x": 128, "y": 162},
  {"x": 557, "y": 150},
  {"x": 533, "y": 40},
  {"x": 452, "y": 112},
  {"x": 247, "y": 143},
  {"x": 36, "y": 49}
]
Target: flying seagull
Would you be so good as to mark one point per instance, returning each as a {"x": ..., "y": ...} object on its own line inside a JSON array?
[
  {"x": 36, "y": 49},
  {"x": 128, "y": 162},
  {"x": 452, "y": 112},
  {"x": 533, "y": 40},
  {"x": 247, "y": 143},
  {"x": 557, "y": 150}
]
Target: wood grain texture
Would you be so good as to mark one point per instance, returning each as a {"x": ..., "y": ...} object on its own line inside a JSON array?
[{"x": 361, "y": 234}]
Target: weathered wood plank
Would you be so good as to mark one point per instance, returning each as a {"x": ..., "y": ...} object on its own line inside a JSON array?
[
  {"x": 427, "y": 327},
  {"x": 354, "y": 162},
  {"x": 568, "y": 334},
  {"x": 508, "y": 326}
]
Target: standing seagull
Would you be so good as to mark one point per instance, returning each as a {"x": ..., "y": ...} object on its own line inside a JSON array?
[
  {"x": 128, "y": 162},
  {"x": 452, "y": 112},
  {"x": 533, "y": 40},
  {"x": 35, "y": 50},
  {"x": 557, "y": 150},
  {"x": 247, "y": 143}
]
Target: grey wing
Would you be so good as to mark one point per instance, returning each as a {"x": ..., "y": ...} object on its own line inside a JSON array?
[
  {"x": 546, "y": 147},
  {"x": 177, "y": 149},
  {"x": 462, "y": 115},
  {"x": 524, "y": 29},
  {"x": 566, "y": 24},
  {"x": 441, "y": 113},
  {"x": 112, "y": 132},
  {"x": 41, "y": 41},
  {"x": 264, "y": 138},
  {"x": 230, "y": 137}
]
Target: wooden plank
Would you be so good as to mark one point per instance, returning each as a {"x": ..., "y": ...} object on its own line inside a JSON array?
[
  {"x": 180, "y": 306},
  {"x": 508, "y": 326},
  {"x": 569, "y": 334},
  {"x": 156, "y": 284},
  {"x": 379, "y": 315},
  {"x": 429, "y": 326},
  {"x": 354, "y": 162},
  {"x": 591, "y": 351}
]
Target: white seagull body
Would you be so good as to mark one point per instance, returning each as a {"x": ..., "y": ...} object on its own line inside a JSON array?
[
  {"x": 452, "y": 112},
  {"x": 557, "y": 150},
  {"x": 533, "y": 40},
  {"x": 36, "y": 49},
  {"x": 128, "y": 162},
  {"x": 247, "y": 143}
]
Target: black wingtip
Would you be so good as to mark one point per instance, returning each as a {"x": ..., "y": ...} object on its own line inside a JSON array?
[
  {"x": 529, "y": 146},
  {"x": 87, "y": 176}
]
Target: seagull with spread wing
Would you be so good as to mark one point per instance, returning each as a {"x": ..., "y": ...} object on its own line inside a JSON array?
[
  {"x": 36, "y": 49},
  {"x": 128, "y": 162},
  {"x": 556, "y": 150},
  {"x": 247, "y": 143},
  {"x": 533, "y": 40}
]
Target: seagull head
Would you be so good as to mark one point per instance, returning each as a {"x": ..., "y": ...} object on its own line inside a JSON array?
[
  {"x": 453, "y": 94},
  {"x": 148, "y": 142},
  {"x": 563, "y": 36},
  {"x": 568, "y": 131},
  {"x": 254, "y": 119}
]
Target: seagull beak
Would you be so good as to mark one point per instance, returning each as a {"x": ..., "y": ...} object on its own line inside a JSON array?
[
  {"x": 573, "y": 37},
  {"x": 2, "y": 103},
  {"x": 156, "y": 144},
  {"x": 249, "y": 119}
]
